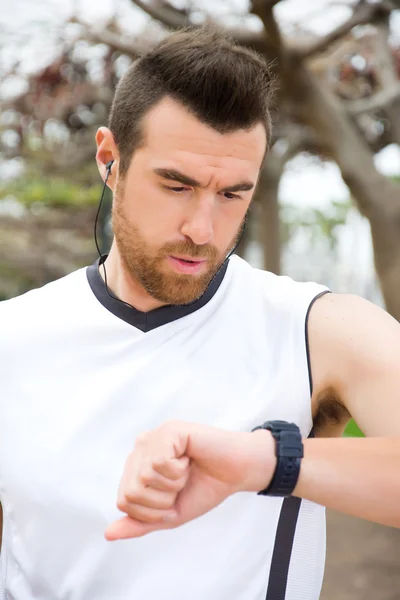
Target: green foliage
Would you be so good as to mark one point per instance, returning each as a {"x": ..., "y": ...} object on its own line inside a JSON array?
[
  {"x": 53, "y": 191},
  {"x": 318, "y": 224},
  {"x": 20, "y": 281},
  {"x": 352, "y": 430}
]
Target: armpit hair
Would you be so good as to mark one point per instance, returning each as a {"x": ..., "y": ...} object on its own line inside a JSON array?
[{"x": 331, "y": 410}]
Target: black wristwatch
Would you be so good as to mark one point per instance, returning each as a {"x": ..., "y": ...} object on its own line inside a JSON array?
[{"x": 289, "y": 452}]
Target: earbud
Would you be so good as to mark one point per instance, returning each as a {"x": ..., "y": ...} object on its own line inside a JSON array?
[{"x": 108, "y": 166}]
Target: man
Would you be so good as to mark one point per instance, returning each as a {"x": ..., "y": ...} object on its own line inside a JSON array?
[{"x": 130, "y": 389}]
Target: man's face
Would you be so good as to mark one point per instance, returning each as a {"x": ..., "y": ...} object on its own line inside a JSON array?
[{"x": 180, "y": 207}]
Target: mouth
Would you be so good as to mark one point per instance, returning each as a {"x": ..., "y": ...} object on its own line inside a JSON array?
[{"x": 187, "y": 264}]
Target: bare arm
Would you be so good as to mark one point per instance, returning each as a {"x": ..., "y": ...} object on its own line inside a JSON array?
[
  {"x": 360, "y": 477},
  {"x": 355, "y": 356}
]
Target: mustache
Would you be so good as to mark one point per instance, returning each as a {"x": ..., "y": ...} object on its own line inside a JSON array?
[{"x": 189, "y": 249}]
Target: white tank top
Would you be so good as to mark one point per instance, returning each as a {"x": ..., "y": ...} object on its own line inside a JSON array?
[{"x": 81, "y": 375}]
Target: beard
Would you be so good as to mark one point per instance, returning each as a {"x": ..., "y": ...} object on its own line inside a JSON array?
[{"x": 145, "y": 263}]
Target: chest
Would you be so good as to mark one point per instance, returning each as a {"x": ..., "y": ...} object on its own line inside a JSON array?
[
  {"x": 71, "y": 419},
  {"x": 73, "y": 415}
]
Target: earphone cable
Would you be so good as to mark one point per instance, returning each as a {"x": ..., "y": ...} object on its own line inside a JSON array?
[{"x": 97, "y": 245}]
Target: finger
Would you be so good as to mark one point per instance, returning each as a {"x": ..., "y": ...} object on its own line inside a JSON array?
[
  {"x": 172, "y": 468},
  {"x": 159, "y": 482},
  {"x": 145, "y": 514},
  {"x": 130, "y": 528},
  {"x": 148, "y": 497}
]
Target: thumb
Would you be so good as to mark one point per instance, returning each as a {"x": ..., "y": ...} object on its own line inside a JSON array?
[{"x": 131, "y": 528}]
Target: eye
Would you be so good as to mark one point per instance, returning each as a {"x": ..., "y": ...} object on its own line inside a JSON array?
[
  {"x": 177, "y": 190},
  {"x": 230, "y": 196}
]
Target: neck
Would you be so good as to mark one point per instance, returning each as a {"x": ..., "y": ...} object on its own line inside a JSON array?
[{"x": 122, "y": 284}]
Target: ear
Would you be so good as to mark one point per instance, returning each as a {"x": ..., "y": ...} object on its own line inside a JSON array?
[{"x": 106, "y": 151}]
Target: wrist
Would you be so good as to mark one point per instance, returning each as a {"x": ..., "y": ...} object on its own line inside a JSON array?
[
  {"x": 289, "y": 451},
  {"x": 261, "y": 460}
]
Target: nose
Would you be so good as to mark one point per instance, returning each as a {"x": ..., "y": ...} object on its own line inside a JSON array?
[{"x": 198, "y": 225}]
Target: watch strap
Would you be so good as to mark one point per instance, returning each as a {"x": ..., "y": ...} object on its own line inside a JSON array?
[{"x": 289, "y": 452}]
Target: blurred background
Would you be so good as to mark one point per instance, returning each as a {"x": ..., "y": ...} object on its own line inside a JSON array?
[{"x": 328, "y": 206}]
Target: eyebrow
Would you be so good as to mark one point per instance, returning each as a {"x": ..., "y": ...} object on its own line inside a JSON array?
[{"x": 173, "y": 175}]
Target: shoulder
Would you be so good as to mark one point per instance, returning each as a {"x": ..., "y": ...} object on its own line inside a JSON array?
[
  {"x": 350, "y": 324},
  {"x": 41, "y": 304},
  {"x": 276, "y": 291},
  {"x": 354, "y": 346}
]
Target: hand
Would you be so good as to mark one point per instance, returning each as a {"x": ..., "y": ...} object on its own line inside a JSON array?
[{"x": 181, "y": 470}]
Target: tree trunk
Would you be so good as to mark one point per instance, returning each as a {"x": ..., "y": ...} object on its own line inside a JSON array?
[
  {"x": 267, "y": 196},
  {"x": 386, "y": 243},
  {"x": 376, "y": 196},
  {"x": 386, "y": 72},
  {"x": 268, "y": 222}
]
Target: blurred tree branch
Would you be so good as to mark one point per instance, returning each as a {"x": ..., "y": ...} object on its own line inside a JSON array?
[
  {"x": 363, "y": 13},
  {"x": 173, "y": 18},
  {"x": 381, "y": 100},
  {"x": 111, "y": 39},
  {"x": 166, "y": 14},
  {"x": 264, "y": 9}
]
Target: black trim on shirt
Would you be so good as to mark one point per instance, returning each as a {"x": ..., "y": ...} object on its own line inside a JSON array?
[
  {"x": 146, "y": 321},
  {"x": 286, "y": 529},
  {"x": 307, "y": 340}
]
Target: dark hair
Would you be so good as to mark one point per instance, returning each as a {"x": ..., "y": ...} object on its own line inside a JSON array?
[{"x": 224, "y": 85}]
